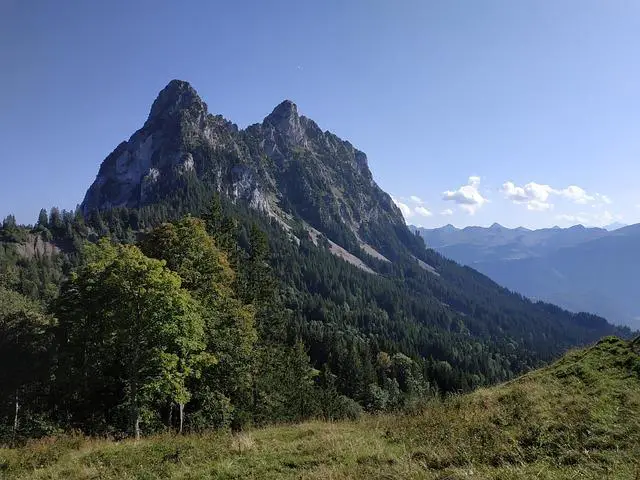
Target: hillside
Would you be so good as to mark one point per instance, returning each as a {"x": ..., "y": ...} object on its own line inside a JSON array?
[
  {"x": 578, "y": 268},
  {"x": 578, "y": 418},
  {"x": 382, "y": 319}
]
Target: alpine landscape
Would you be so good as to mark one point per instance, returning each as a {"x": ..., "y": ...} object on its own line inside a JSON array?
[{"x": 245, "y": 300}]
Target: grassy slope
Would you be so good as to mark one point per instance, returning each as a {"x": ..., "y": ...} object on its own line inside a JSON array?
[{"x": 579, "y": 418}]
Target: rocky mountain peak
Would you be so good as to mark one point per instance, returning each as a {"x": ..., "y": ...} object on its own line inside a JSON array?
[
  {"x": 286, "y": 163},
  {"x": 177, "y": 96},
  {"x": 285, "y": 110},
  {"x": 285, "y": 121}
]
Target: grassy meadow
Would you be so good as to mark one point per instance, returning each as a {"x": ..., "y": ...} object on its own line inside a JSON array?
[{"x": 576, "y": 419}]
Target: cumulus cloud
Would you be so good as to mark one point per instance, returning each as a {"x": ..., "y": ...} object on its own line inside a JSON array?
[
  {"x": 404, "y": 208},
  {"x": 412, "y": 206},
  {"x": 423, "y": 211},
  {"x": 534, "y": 195},
  {"x": 474, "y": 180},
  {"x": 576, "y": 194},
  {"x": 537, "y": 196},
  {"x": 468, "y": 197},
  {"x": 446, "y": 212}
]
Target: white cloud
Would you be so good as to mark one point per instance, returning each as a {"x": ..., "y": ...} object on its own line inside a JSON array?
[
  {"x": 423, "y": 211},
  {"x": 534, "y": 195},
  {"x": 448, "y": 212},
  {"x": 467, "y": 197},
  {"x": 474, "y": 180},
  {"x": 538, "y": 206},
  {"x": 404, "y": 208},
  {"x": 576, "y": 194},
  {"x": 412, "y": 206}
]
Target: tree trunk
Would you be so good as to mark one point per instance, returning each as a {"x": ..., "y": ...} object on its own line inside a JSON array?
[
  {"x": 136, "y": 427},
  {"x": 170, "y": 416},
  {"x": 181, "y": 407},
  {"x": 15, "y": 418}
]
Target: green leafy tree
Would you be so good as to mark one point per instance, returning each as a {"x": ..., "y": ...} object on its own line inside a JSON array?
[
  {"x": 25, "y": 347},
  {"x": 229, "y": 323},
  {"x": 124, "y": 318}
]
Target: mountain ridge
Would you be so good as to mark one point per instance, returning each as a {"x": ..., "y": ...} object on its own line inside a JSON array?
[{"x": 554, "y": 264}]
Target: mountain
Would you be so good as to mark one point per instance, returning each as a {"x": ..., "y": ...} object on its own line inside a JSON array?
[
  {"x": 578, "y": 418},
  {"x": 355, "y": 285},
  {"x": 284, "y": 164},
  {"x": 582, "y": 269}
]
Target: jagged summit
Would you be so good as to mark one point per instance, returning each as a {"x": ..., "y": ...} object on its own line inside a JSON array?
[
  {"x": 285, "y": 110},
  {"x": 287, "y": 125},
  {"x": 176, "y": 96},
  {"x": 286, "y": 163}
]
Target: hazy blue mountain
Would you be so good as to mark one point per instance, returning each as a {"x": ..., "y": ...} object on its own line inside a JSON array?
[
  {"x": 581, "y": 269},
  {"x": 614, "y": 226}
]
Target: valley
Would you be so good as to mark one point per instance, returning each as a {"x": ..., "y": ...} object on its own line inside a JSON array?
[{"x": 578, "y": 268}]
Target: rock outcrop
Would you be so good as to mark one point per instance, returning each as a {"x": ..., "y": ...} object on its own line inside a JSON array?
[{"x": 286, "y": 163}]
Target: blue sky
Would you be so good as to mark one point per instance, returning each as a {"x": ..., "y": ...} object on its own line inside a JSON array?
[{"x": 519, "y": 112}]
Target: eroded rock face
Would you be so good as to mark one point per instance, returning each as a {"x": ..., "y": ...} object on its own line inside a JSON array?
[
  {"x": 36, "y": 247},
  {"x": 179, "y": 139},
  {"x": 285, "y": 162}
]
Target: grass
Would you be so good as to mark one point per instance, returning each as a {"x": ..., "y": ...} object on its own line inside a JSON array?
[{"x": 577, "y": 419}]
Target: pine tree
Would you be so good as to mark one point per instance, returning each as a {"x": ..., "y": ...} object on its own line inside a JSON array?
[{"x": 43, "y": 219}]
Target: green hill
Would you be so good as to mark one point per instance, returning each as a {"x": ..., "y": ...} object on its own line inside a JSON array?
[{"x": 578, "y": 418}]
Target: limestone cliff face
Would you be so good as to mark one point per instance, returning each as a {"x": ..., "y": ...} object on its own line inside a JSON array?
[
  {"x": 179, "y": 140},
  {"x": 285, "y": 163}
]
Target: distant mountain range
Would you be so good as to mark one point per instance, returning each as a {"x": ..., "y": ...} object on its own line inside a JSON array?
[
  {"x": 581, "y": 269},
  {"x": 615, "y": 226}
]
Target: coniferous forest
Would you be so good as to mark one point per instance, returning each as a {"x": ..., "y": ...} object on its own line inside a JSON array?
[{"x": 210, "y": 315}]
